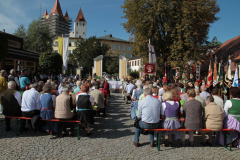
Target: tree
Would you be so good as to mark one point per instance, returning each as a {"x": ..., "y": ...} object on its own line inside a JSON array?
[
  {"x": 51, "y": 61},
  {"x": 3, "y": 46},
  {"x": 86, "y": 51},
  {"x": 37, "y": 38},
  {"x": 178, "y": 29},
  {"x": 110, "y": 65}
]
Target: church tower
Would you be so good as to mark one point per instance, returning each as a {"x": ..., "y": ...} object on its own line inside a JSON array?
[
  {"x": 80, "y": 26},
  {"x": 58, "y": 23}
]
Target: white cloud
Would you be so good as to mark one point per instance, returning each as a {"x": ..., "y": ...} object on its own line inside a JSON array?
[{"x": 8, "y": 24}]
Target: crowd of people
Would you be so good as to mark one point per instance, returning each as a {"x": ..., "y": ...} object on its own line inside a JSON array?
[
  {"x": 200, "y": 107},
  {"x": 68, "y": 98},
  {"x": 64, "y": 98}
]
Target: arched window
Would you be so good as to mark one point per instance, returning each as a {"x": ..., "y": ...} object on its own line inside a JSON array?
[{"x": 56, "y": 43}]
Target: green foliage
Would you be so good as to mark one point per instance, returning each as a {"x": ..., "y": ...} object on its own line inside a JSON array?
[
  {"x": 111, "y": 65},
  {"x": 3, "y": 46},
  {"x": 86, "y": 51},
  {"x": 134, "y": 74},
  {"x": 50, "y": 61},
  {"x": 178, "y": 29},
  {"x": 37, "y": 37}
]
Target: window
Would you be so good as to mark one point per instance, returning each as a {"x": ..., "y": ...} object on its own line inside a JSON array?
[
  {"x": 69, "y": 51},
  {"x": 123, "y": 54},
  {"x": 56, "y": 51},
  {"x": 69, "y": 44},
  {"x": 135, "y": 63},
  {"x": 129, "y": 55},
  {"x": 56, "y": 43},
  {"x": 113, "y": 46},
  {"x": 83, "y": 32},
  {"x": 118, "y": 47},
  {"x": 75, "y": 43},
  {"x": 76, "y": 32},
  {"x": 77, "y": 24},
  {"x": 83, "y": 24},
  {"x": 130, "y": 64},
  {"x": 123, "y": 47},
  {"x": 129, "y": 48}
]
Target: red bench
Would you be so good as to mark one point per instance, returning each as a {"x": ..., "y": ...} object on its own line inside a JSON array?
[
  {"x": 52, "y": 120},
  {"x": 159, "y": 134}
]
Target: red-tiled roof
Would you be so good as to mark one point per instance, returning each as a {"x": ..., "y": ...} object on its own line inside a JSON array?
[
  {"x": 229, "y": 48},
  {"x": 80, "y": 16},
  {"x": 66, "y": 15},
  {"x": 45, "y": 13},
  {"x": 57, "y": 9}
]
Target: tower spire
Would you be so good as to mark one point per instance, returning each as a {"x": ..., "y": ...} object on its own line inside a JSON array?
[
  {"x": 57, "y": 9},
  {"x": 80, "y": 16}
]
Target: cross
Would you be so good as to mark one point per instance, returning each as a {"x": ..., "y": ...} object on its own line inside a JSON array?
[{"x": 150, "y": 50}]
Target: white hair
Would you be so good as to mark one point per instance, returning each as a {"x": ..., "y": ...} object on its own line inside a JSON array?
[
  {"x": 2, "y": 72},
  {"x": 34, "y": 85},
  {"x": 79, "y": 83},
  {"x": 12, "y": 71},
  {"x": 65, "y": 89},
  {"x": 11, "y": 85},
  {"x": 204, "y": 88},
  {"x": 147, "y": 91}
]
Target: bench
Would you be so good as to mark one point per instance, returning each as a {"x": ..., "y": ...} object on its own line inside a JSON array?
[
  {"x": 52, "y": 120},
  {"x": 224, "y": 131}
]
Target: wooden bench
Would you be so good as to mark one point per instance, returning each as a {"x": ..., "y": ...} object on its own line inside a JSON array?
[
  {"x": 224, "y": 131},
  {"x": 52, "y": 120}
]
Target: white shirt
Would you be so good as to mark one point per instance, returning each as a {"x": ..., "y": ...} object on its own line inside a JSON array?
[
  {"x": 218, "y": 101},
  {"x": 17, "y": 95},
  {"x": 91, "y": 99},
  {"x": 160, "y": 92},
  {"x": 164, "y": 106},
  {"x": 31, "y": 100},
  {"x": 53, "y": 99},
  {"x": 227, "y": 106}
]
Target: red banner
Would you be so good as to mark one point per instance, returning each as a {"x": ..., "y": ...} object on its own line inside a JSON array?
[{"x": 149, "y": 68}]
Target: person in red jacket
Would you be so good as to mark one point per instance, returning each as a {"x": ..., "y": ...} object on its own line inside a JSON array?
[
  {"x": 106, "y": 87},
  {"x": 105, "y": 93}
]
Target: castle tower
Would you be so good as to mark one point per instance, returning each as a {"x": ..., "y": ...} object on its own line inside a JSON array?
[
  {"x": 58, "y": 23},
  {"x": 80, "y": 26}
]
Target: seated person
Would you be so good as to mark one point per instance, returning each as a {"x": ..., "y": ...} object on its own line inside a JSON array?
[
  {"x": 155, "y": 92},
  {"x": 98, "y": 98},
  {"x": 63, "y": 111},
  {"x": 31, "y": 106},
  {"x": 149, "y": 112},
  {"x": 213, "y": 119},
  {"x": 11, "y": 102}
]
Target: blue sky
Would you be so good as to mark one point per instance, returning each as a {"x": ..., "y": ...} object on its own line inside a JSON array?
[{"x": 106, "y": 15}]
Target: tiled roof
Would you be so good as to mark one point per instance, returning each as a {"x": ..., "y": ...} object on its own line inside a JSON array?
[
  {"x": 45, "y": 13},
  {"x": 136, "y": 57},
  {"x": 57, "y": 9},
  {"x": 80, "y": 16},
  {"x": 229, "y": 48},
  {"x": 110, "y": 38},
  {"x": 66, "y": 15}
]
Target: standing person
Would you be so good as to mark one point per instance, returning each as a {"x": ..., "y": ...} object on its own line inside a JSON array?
[
  {"x": 85, "y": 105},
  {"x": 98, "y": 98},
  {"x": 63, "y": 111},
  {"x": 213, "y": 119},
  {"x": 217, "y": 100},
  {"x": 200, "y": 99},
  {"x": 155, "y": 92},
  {"x": 106, "y": 87},
  {"x": 192, "y": 112},
  {"x": 11, "y": 102},
  {"x": 13, "y": 77},
  {"x": 31, "y": 106},
  {"x": 77, "y": 89},
  {"x": 176, "y": 98},
  {"x": 3, "y": 85},
  {"x": 24, "y": 80},
  {"x": 128, "y": 90},
  {"x": 48, "y": 102},
  {"x": 105, "y": 94},
  {"x": 149, "y": 113},
  {"x": 204, "y": 94},
  {"x": 232, "y": 118}
]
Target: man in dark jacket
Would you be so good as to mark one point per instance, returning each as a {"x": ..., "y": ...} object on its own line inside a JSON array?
[{"x": 11, "y": 102}]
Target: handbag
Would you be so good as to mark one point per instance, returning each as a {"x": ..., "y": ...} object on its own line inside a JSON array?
[{"x": 136, "y": 122}]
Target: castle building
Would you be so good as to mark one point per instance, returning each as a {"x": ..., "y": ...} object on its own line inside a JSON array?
[
  {"x": 58, "y": 24},
  {"x": 80, "y": 26}
]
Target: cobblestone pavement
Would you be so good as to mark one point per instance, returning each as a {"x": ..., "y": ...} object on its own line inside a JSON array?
[{"x": 112, "y": 138}]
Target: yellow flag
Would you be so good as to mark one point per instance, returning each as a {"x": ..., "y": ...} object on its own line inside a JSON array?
[{"x": 60, "y": 45}]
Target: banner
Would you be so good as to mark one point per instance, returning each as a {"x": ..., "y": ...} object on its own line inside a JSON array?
[
  {"x": 209, "y": 77},
  {"x": 220, "y": 80},
  {"x": 65, "y": 52},
  {"x": 235, "y": 80},
  {"x": 152, "y": 56},
  {"x": 215, "y": 78},
  {"x": 60, "y": 45},
  {"x": 228, "y": 76},
  {"x": 149, "y": 68},
  {"x": 198, "y": 71}
]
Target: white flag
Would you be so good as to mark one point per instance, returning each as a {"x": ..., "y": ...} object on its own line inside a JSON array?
[
  {"x": 152, "y": 56},
  {"x": 65, "y": 52}
]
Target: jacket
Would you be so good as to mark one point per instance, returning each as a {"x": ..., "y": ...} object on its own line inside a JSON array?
[
  {"x": 98, "y": 98},
  {"x": 63, "y": 109}
]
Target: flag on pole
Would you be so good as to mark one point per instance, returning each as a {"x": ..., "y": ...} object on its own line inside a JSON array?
[
  {"x": 152, "y": 56},
  {"x": 209, "y": 77},
  {"x": 235, "y": 80},
  {"x": 215, "y": 77},
  {"x": 60, "y": 45},
  {"x": 220, "y": 80},
  {"x": 228, "y": 76},
  {"x": 165, "y": 75},
  {"x": 65, "y": 52}
]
